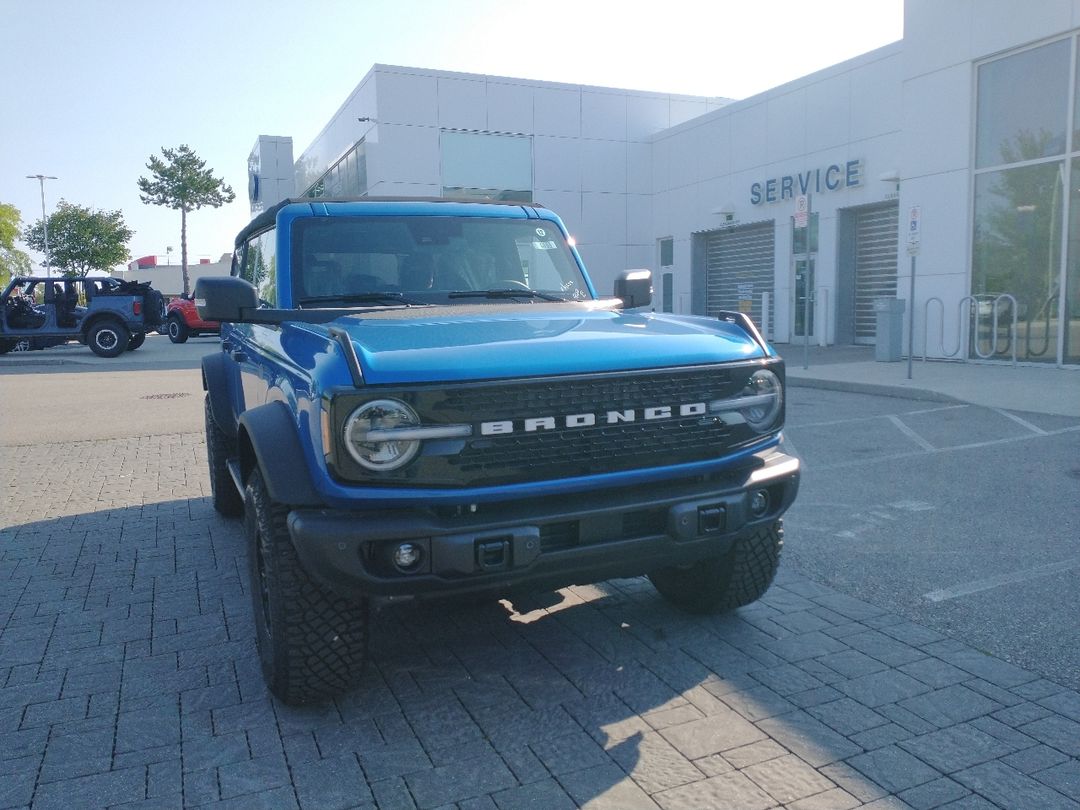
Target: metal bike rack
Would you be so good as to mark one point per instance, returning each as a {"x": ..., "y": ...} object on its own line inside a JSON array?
[
  {"x": 1029, "y": 352},
  {"x": 994, "y": 328},
  {"x": 967, "y": 299},
  {"x": 972, "y": 303}
]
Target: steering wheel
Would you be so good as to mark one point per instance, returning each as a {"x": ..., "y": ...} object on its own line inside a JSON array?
[{"x": 511, "y": 283}]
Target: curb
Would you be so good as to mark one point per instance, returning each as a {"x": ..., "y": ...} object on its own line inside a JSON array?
[
  {"x": 896, "y": 391},
  {"x": 43, "y": 361}
]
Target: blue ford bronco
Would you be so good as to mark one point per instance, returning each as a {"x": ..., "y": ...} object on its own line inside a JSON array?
[{"x": 418, "y": 398}]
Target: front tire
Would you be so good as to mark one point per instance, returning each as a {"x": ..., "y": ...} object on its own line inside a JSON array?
[
  {"x": 136, "y": 341},
  {"x": 720, "y": 584},
  {"x": 224, "y": 494},
  {"x": 15, "y": 345},
  {"x": 312, "y": 642},
  {"x": 178, "y": 331},
  {"x": 108, "y": 338}
]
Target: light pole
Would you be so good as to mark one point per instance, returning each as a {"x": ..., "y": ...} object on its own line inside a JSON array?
[{"x": 41, "y": 178}]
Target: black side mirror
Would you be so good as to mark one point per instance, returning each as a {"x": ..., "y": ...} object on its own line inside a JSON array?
[
  {"x": 634, "y": 287},
  {"x": 224, "y": 299}
]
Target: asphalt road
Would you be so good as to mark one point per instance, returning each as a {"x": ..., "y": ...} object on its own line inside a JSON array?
[
  {"x": 67, "y": 393},
  {"x": 128, "y": 674},
  {"x": 960, "y": 517},
  {"x": 964, "y": 519}
]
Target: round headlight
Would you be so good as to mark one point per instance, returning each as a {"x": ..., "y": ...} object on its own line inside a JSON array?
[
  {"x": 764, "y": 398},
  {"x": 369, "y": 436}
]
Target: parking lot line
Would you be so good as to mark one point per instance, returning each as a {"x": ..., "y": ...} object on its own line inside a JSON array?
[
  {"x": 859, "y": 462},
  {"x": 980, "y": 585},
  {"x": 852, "y": 419},
  {"x": 911, "y": 434},
  {"x": 1019, "y": 421}
]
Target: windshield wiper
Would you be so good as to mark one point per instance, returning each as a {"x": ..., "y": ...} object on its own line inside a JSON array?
[
  {"x": 507, "y": 292},
  {"x": 362, "y": 298}
]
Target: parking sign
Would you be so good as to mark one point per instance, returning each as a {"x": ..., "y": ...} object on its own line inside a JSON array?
[{"x": 914, "y": 236}]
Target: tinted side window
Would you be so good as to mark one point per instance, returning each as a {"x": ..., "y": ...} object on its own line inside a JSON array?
[
  {"x": 238, "y": 261},
  {"x": 260, "y": 265}
]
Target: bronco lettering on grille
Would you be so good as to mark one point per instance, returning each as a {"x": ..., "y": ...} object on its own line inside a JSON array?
[{"x": 534, "y": 424}]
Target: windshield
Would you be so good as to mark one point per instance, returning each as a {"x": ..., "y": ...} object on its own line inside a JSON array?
[{"x": 431, "y": 260}]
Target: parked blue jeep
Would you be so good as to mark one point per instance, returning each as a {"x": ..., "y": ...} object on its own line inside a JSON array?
[
  {"x": 108, "y": 315},
  {"x": 426, "y": 397}
]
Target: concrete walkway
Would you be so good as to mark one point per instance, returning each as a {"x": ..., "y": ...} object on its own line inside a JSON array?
[{"x": 1036, "y": 389}]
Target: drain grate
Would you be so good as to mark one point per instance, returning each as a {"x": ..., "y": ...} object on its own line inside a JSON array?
[{"x": 174, "y": 395}]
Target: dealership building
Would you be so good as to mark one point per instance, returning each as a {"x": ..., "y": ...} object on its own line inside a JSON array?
[{"x": 953, "y": 153}]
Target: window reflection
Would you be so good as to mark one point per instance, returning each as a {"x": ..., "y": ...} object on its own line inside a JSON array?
[
  {"x": 1022, "y": 106},
  {"x": 1017, "y": 251},
  {"x": 1071, "y": 323}
]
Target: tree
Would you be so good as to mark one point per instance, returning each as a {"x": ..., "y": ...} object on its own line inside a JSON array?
[
  {"x": 13, "y": 262},
  {"x": 181, "y": 181},
  {"x": 82, "y": 239}
]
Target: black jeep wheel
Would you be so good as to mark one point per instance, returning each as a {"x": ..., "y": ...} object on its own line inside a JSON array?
[
  {"x": 108, "y": 338},
  {"x": 178, "y": 331},
  {"x": 226, "y": 497},
  {"x": 312, "y": 643},
  {"x": 15, "y": 345},
  {"x": 724, "y": 583},
  {"x": 136, "y": 341}
]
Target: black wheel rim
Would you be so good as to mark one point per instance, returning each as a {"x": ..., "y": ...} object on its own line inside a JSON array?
[
  {"x": 106, "y": 339},
  {"x": 174, "y": 329}
]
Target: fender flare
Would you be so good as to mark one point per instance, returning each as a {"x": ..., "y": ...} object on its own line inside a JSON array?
[
  {"x": 215, "y": 382},
  {"x": 268, "y": 439}
]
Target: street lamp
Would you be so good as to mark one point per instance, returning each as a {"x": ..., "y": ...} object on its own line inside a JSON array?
[{"x": 41, "y": 178}]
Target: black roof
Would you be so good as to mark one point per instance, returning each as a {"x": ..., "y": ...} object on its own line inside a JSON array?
[{"x": 269, "y": 216}]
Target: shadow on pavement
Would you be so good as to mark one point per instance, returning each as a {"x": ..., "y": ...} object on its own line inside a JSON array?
[{"x": 126, "y": 644}]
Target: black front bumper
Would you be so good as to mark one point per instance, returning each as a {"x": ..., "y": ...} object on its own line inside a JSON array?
[{"x": 543, "y": 542}]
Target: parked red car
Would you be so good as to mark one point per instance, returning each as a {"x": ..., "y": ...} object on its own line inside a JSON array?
[{"x": 182, "y": 321}]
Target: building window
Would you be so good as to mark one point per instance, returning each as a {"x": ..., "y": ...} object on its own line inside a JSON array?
[
  {"x": 799, "y": 236},
  {"x": 486, "y": 166},
  {"x": 1024, "y": 201},
  {"x": 669, "y": 292},
  {"x": 667, "y": 252},
  {"x": 345, "y": 178},
  {"x": 1015, "y": 123}
]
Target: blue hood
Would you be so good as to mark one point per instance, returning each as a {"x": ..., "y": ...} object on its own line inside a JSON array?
[{"x": 495, "y": 342}]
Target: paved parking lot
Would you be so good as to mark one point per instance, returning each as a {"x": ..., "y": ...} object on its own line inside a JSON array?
[
  {"x": 962, "y": 518},
  {"x": 128, "y": 676}
]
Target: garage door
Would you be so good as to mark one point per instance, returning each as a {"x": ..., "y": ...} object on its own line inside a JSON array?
[
  {"x": 739, "y": 267},
  {"x": 875, "y": 265}
]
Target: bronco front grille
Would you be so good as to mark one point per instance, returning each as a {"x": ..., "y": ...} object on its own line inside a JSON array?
[{"x": 522, "y": 455}]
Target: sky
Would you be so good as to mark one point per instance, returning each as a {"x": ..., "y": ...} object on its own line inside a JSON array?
[{"x": 93, "y": 88}]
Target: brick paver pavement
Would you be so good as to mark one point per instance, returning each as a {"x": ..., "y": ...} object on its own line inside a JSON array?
[{"x": 128, "y": 678}]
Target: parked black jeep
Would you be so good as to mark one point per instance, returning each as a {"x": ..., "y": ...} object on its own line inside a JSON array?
[{"x": 108, "y": 315}]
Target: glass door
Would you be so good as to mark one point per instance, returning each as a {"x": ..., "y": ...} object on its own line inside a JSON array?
[{"x": 804, "y": 298}]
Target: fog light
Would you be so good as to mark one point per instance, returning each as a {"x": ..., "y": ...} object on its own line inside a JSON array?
[
  {"x": 407, "y": 556},
  {"x": 759, "y": 502}
]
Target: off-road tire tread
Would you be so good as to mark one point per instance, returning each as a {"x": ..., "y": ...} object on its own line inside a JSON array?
[
  {"x": 722, "y": 584},
  {"x": 319, "y": 645},
  {"x": 182, "y": 331},
  {"x": 226, "y": 498},
  {"x": 123, "y": 337}
]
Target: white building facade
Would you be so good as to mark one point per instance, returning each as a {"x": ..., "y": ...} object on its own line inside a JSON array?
[{"x": 970, "y": 125}]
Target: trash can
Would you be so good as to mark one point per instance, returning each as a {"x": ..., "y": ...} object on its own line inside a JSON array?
[{"x": 890, "y": 329}]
